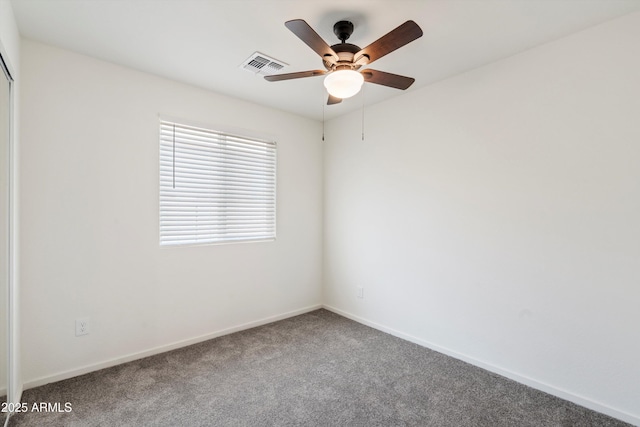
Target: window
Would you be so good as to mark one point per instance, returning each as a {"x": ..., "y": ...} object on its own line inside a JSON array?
[{"x": 215, "y": 187}]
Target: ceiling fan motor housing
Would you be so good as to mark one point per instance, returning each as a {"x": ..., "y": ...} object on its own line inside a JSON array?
[{"x": 345, "y": 52}]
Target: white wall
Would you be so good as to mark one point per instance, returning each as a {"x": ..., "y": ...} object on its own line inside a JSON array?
[
  {"x": 10, "y": 49},
  {"x": 496, "y": 216},
  {"x": 90, "y": 219}
]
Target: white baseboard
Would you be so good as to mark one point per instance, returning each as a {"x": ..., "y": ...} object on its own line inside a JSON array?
[
  {"x": 162, "y": 349},
  {"x": 523, "y": 379}
]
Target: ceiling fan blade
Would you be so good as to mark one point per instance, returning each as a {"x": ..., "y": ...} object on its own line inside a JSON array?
[
  {"x": 333, "y": 100},
  {"x": 387, "y": 79},
  {"x": 394, "y": 39},
  {"x": 300, "y": 28},
  {"x": 298, "y": 75}
]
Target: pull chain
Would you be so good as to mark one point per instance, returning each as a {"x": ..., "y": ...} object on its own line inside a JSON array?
[
  {"x": 174, "y": 156},
  {"x": 362, "y": 96},
  {"x": 323, "y": 115}
]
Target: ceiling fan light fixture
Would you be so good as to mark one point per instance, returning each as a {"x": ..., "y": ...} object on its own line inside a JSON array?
[{"x": 343, "y": 83}]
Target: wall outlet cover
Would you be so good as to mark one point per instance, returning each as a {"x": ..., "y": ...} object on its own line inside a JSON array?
[{"x": 82, "y": 326}]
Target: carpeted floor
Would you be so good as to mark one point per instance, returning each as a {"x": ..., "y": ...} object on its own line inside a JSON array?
[{"x": 318, "y": 369}]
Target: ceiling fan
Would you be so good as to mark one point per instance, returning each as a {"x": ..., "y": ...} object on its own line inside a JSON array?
[{"x": 343, "y": 60}]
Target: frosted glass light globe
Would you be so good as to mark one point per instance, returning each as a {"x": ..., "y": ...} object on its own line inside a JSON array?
[{"x": 343, "y": 83}]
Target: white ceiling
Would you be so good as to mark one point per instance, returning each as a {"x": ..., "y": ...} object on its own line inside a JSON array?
[{"x": 203, "y": 42}]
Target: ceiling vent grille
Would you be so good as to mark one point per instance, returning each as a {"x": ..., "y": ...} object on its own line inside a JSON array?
[{"x": 259, "y": 63}]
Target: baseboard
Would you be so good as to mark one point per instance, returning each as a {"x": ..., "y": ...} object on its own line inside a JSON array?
[
  {"x": 523, "y": 379},
  {"x": 162, "y": 349}
]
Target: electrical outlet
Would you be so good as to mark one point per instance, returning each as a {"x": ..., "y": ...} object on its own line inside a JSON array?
[
  {"x": 360, "y": 293},
  {"x": 82, "y": 326}
]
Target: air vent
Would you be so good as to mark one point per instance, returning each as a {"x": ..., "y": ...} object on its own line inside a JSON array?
[{"x": 259, "y": 63}]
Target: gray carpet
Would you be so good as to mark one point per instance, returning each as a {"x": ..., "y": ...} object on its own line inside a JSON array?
[{"x": 318, "y": 369}]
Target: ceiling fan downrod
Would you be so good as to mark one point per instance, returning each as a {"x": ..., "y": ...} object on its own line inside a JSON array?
[{"x": 343, "y": 29}]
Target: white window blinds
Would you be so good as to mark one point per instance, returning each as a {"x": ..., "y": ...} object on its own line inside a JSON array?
[{"x": 215, "y": 187}]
